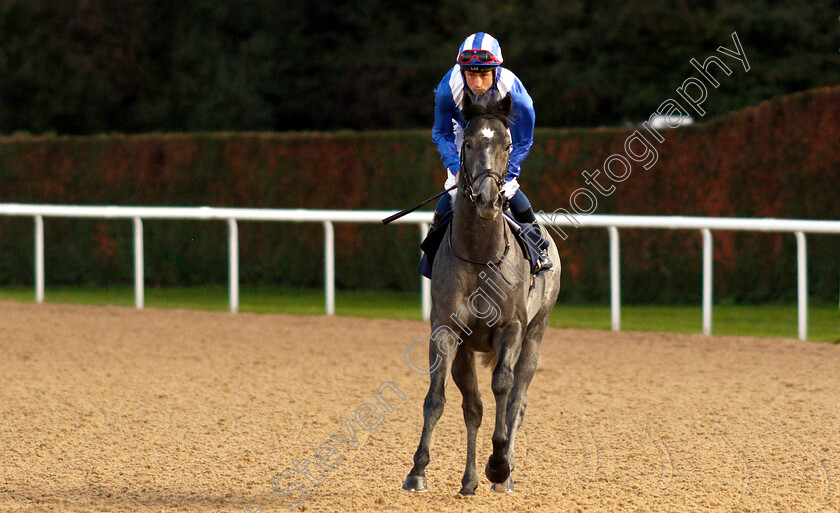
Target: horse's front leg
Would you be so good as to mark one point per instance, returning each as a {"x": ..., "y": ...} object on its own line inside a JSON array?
[
  {"x": 507, "y": 344},
  {"x": 463, "y": 373},
  {"x": 432, "y": 410},
  {"x": 526, "y": 366}
]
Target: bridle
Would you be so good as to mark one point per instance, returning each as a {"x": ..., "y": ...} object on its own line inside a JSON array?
[
  {"x": 469, "y": 192},
  {"x": 469, "y": 180}
]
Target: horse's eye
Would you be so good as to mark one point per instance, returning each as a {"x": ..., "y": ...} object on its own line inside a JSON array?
[{"x": 467, "y": 144}]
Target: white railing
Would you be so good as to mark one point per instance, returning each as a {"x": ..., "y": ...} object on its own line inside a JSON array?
[{"x": 422, "y": 219}]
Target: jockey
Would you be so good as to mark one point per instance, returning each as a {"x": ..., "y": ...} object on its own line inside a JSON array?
[{"x": 478, "y": 73}]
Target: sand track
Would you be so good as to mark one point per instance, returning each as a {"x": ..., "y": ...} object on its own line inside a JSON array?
[{"x": 112, "y": 409}]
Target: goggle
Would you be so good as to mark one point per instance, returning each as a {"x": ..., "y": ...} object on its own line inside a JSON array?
[{"x": 483, "y": 56}]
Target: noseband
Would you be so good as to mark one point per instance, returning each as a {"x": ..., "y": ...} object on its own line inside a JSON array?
[{"x": 469, "y": 179}]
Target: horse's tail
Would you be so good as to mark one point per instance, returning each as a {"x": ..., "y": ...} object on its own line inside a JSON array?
[{"x": 489, "y": 359}]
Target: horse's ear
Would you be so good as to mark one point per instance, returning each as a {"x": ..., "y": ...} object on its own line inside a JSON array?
[
  {"x": 505, "y": 105},
  {"x": 467, "y": 109},
  {"x": 471, "y": 109},
  {"x": 467, "y": 100}
]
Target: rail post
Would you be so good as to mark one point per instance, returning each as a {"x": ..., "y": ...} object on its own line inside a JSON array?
[
  {"x": 329, "y": 267},
  {"x": 425, "y": 283},
  {"x": 802, "y": 284},
  {"x": 39, "y": 259},
  {"x": 708, "y": 269},
  {"x": 615, "y": 279},
  {"x": 233, "y": 265},
  {"x": 139, "y": 279}
]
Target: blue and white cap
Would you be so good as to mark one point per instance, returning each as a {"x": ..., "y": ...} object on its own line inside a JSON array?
[{"x": 475, "y": 43}]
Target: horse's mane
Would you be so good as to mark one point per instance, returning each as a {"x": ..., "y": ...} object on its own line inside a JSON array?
[{"x": 498, "y": 109}]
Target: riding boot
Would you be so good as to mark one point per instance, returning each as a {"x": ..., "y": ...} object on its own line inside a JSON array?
[
  {"x": 427, "y": 244},
  {"x": 432, "y": 242},
  {"x": 543, "y": 263},
  {"x": 435, "y": 221}
]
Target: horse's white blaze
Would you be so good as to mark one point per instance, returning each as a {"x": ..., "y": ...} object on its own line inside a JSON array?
[{"x": 488, "y": 132}]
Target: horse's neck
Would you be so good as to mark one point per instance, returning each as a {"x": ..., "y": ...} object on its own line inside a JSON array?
[{"x": 475, "y": 238}]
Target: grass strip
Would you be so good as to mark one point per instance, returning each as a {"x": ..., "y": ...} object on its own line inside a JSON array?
[{"x": 766, "y": 320}]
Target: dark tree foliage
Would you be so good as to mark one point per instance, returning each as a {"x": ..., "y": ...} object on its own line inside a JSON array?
[{"x": 206, "y": 65}]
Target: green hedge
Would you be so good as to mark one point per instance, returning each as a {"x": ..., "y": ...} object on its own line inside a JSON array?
[{"x": 778, "y": 159}]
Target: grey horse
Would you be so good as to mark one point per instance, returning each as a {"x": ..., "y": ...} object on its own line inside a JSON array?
[{"x": 485, "y": 300}]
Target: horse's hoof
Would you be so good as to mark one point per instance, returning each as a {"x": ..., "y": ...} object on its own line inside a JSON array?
[
  {"x": 415, "y": 484},
  {"x": 506, "y": 487},
  {"x": 468, "y": 491},
  {"x": 497, "y": 472}
]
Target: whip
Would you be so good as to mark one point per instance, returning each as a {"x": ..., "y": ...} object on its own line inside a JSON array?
[{"x": 415, "y": 207}]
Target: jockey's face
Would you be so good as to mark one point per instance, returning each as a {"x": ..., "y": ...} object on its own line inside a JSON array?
[{"x": 479, "y": 82}]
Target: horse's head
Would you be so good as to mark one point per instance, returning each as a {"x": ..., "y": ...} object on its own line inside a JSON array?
[{"x": 485, "y": 154}]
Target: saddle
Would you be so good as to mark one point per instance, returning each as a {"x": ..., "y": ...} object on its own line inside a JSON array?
[{"x": 530, "y": 240}]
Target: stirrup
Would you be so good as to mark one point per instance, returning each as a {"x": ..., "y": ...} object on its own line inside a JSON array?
[{"x": 544, "y": 263}]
